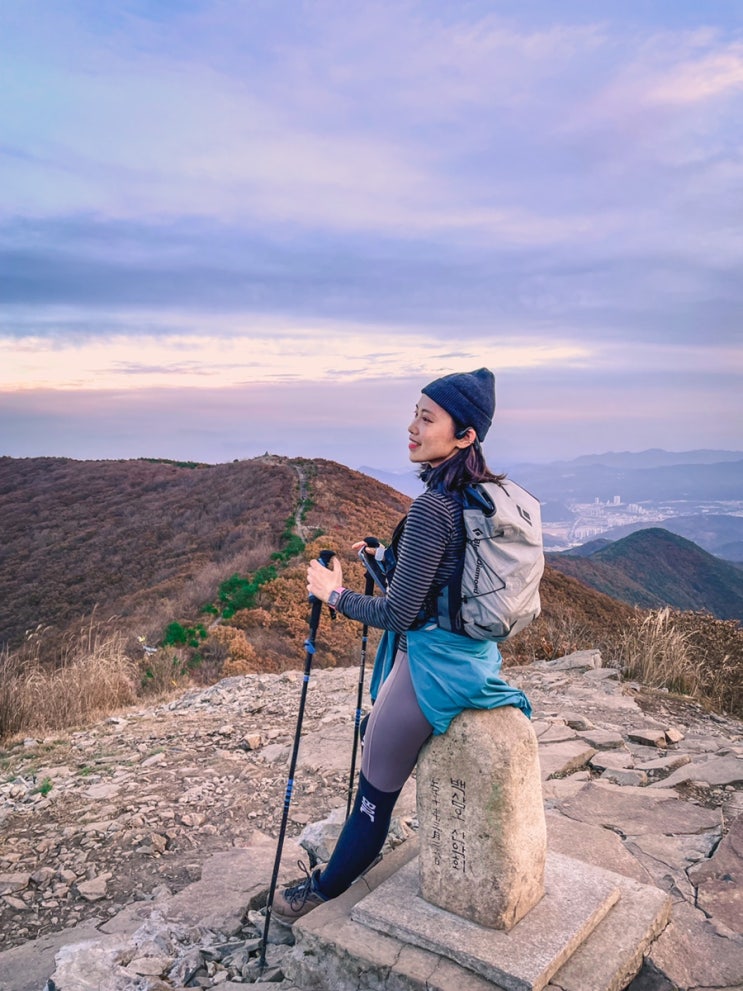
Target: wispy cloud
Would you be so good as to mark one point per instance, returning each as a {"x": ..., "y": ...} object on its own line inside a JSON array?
[
  {"x": 211, "y": 195},
  {"x": 199, "y": 361}
]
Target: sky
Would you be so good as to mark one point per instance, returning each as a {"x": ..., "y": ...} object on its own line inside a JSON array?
[{"x": 237, "y": 226}]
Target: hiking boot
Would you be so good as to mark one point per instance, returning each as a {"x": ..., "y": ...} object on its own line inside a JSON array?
[{"x": 298, "y": 899}]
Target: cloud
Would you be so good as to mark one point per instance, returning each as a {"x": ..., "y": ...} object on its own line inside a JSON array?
[
  {"x": 206, "y": 361},
  {"x": 215, "y": 195},
  {"x": 541, "y": 415},
  {"x": 85, "y": 277},
  {"x": 713, "y": 75}
]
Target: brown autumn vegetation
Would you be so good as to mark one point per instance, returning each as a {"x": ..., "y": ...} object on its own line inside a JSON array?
[
  {"x": 150, "y": 543},
  {"x": 145, "y": 540}
]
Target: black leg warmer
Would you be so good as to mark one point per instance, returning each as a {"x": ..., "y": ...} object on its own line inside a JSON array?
[{"x": 361, "y": 839}]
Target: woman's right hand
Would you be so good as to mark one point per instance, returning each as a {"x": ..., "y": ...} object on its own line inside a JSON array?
[{"x": 371, "y": 549}]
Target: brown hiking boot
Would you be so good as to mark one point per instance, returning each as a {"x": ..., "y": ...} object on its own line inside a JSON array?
[{"x": 298, "y": 899}]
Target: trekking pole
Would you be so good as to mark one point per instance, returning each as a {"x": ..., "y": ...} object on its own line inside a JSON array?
[
  {"x": 309, "y": 645},
  {"x": 368, "y": 590}
]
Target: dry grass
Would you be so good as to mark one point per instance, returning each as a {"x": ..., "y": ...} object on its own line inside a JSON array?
[
  {"x": 689, "y": 653},
  {"x": 717, "y": 649},
  {"x": 90, "y": 676},
  {"x": 654, "y": 651}
]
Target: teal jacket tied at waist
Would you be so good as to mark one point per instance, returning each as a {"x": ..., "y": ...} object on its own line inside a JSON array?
[{"x": 450, "y": 672}]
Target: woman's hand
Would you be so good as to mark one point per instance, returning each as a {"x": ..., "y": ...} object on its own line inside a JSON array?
[
  {"x": 321, "y": 580},
  {"x": 362, "y": 543},
  {"x": 371, "y": 549}
]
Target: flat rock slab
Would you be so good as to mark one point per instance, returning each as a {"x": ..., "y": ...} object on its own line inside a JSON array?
[
  {"x": 580, "y": 660},
  {"x": 93, "y": 965},
  {"x": 577, "y": 721},
  {"x": 597, "y": 846},
  {"x": 327, "y": 750},
  {"x": 603, "y": 739},
  {"x": 27, "y": 967},
  {"x": 638, "y": 811},
  {"x": 577, "y": 897},
  {"x": 666, "y": 858},
  {"x": 649, "y": 736},
  {"x": 602, "y": 674},
  {"x": 562, "y": 758},
  {"x": 559, "y": 788},
  {"x": 613, "y": 953},
  {"x": 232, "y": 881},
  {"x": 625, "y": 777},
  {"x": 691, "y": 954},
  {"x": 615, "y": 760},
  {"x": 718, "y": 771},
  {"x": 719, "y": 880},
  {"x": 668, "y": 762},
  {"x": 557, "y": 733}
]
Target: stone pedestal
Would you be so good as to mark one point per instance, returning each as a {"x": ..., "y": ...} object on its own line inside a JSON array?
[{"x": 483, "y": 839}]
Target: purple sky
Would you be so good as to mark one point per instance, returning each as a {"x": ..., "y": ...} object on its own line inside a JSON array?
[{"x": 233, "y": 227}]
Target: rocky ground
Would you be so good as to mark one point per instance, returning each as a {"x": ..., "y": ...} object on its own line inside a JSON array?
[{"x": 131, "y": 810}]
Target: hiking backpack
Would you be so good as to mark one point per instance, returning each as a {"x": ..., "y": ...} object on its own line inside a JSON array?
[
  {"x": 503, "y": 564},
  {"x": 497, "y": 593}
]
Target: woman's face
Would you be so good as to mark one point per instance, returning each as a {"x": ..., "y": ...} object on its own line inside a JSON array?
[{"x": 431, "y": 434}]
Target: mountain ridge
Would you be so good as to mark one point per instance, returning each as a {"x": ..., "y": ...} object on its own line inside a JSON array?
[
  {"x": 653, "y": 567},
  {"x": 150, "y": 543},
  {"x": 198, "y": 572},
  {"x": 637, "y": 477}
]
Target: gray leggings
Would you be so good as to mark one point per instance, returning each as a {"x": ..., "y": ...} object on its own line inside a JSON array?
[{"x": 396, "y": 731}]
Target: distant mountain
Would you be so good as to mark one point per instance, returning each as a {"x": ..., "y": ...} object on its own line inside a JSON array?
[
  {"x": 656, "y": 458},
  {"x": 589, "y": 548},
  {"x": 576, "y": 482},
  {"x": 732, "y": 552},
  {"x": 720, "y": 535},
  {"x": 556, "y": 512},
  {"x": 646, "y": 476},
  {"x": 402, "y": 481},
  {"x": 654, "y": 567}
]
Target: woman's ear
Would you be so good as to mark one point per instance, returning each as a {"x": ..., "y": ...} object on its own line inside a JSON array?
[{"x": 465, "y": 437}]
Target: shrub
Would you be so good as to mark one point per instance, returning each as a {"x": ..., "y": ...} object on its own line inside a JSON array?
[
  {"x": 241, "y": 654},
  {"x": 184, "y": 636},
  {"x": 238, "y": 592},
  {"x": 293, "y": 547},
  {"x": 163, "y": 671}
]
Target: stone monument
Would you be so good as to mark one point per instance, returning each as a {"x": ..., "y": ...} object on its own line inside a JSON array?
[
  {"x": 476, "y": 900},
  {"x": 483, "y": 839}
]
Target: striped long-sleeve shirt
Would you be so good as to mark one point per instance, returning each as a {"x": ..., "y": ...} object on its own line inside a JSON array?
[{"x": 430, "y": 553}]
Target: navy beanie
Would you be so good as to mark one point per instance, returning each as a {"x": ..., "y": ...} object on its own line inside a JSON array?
[{"x": 468, "y": 398}]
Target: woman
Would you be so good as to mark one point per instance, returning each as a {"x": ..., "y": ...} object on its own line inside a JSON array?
[{"x": 436, "y": 674}]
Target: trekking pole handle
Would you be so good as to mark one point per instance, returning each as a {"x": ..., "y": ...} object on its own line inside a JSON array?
[{"x": 324, "y": 557}]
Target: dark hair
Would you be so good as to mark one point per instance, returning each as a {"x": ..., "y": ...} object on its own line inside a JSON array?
[{"x": 460, "y": 470}]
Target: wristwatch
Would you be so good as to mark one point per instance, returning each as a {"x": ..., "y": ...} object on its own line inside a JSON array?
[{"x": 334, "y": 597}]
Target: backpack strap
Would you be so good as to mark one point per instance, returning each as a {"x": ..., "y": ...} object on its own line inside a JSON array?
[
  {"x": 447, "y": 605},
  {"x": 477, "y": 497},
  {"x": 380, "y": 567}
]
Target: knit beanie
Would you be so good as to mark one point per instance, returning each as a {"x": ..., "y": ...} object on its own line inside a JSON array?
[{"x": 468, "y": 398}]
